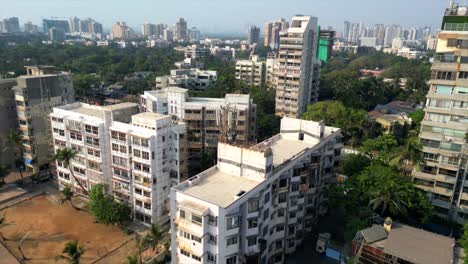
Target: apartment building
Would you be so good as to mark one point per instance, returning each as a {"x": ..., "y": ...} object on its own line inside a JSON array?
[
  {"x": 36, "y": 93},
  {"x": 257, "y": 203},
  {"x": 9, "y": 121},
  {"x": 272, "y": 30},
  {"x": 445, "y": 125},
  {"x": 299, "y": 70},
  {"x": 138, "y": 156},
  {"x": 232, "y": 118},
  {"x": 252, "y": 71},
  {"x": 193, "y": 78},
  {"x": 271, "y": 75}
]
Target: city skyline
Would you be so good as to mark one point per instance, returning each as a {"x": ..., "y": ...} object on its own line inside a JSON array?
[{"x": 224, "y": 18}]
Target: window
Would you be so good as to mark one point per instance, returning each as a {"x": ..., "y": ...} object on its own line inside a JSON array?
[
  {"x": 120, "y": 173},
  {"x": 91, "y": 129},
  {"x": 253, "y": 206},
  {"x": 186, "y": 253},
  {"x": 252, "y": 223},
  {"x": 94, "y": 165},
  {"x": 145, "y": 155},
  {"x": 463, "y": 75},
  {"x": 76, "y": 136},
  {"x": 251, "y": 241},
  {"x": 95, "y": 153},
  {"x": 266, "y": 214},
  {"x": 212, "y": 239},
  {"x": 282, "y": 198},
  {"x": 196, "y": 219},
  {"x": 92, "y": 141},
  {"x": 137, "y": 153},
  {"x": 196, "y": 238},
  {"x": 212, "y": 220},
  {"x": 210, "y": 257},
  {"x": 119, "y": 160},
  {"x": 61, "y": 132},
  {"x": 231, "y": 241},
  {"x": 118, "y": 136},
  {"x": 197, "y": 258},
  {"x": 231, "y": 260},
  {"x": 182, "y": 214},
  {"x": 232, "y": 222}
]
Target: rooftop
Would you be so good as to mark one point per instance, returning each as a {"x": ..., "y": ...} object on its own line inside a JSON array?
[
  {"x": 150, "y": 116},
  {"x": 212, "y": 187},
  {"x": 419, "y": 246},
  {"x": 285, "y": 149},
  {"x": 94, "y": 110}
]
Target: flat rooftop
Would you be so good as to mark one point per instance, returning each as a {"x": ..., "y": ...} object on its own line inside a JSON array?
[
  {"x": 150, "y": 116},
  {"x": 220, "y": 188},
  {"x": 285, "y": 149},
  {"x": 94, "y": 110}
]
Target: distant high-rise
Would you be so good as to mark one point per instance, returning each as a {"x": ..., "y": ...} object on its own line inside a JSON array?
[
  {"x": 194, "y": 35},
  {"x": 75, "y": 25},
  {"x": 56, "y": 35},
  {"x": 58, "y": 24},
  {"x": 29, "y": 27},
  {"x": 299, "y": 70},
  {"x": 120, "y": 30},
  {"x": 325, "y": 48},
  {"x": 160, "y": 30},
  {"x": 379, "y": 33},
  {"x": 181, "y": 30},
  {"x": 254, "y": 35},
  {"x": 391, "y": 32},
  {"x": 168, "y": 35},
  {"x": 272, "y": 30},
  {"x": 11, "y": 25},
  {"x": 346, "y": 30},
  {"x": 148, "y": 29},
  {"x": 96, "y": 28}
]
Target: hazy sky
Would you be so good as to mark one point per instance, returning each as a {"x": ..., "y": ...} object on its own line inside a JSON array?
[{"x": 230, "y": 15}]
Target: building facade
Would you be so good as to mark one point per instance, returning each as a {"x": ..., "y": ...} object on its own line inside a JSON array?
[
  {"x": 58, "y": 24},
  {"x": 9, "y": 121},
  {"x": 120, "y": 30},
  {"x": 181, "y": 30},
  {"x": 444, "y": 128},
  {"x": 299, "y": 70},
  {"x": 135, "y": 155},
  {"x": 272, "y": 30},
  {"x": 252, "y": 71},
  {"x": 193, "y": 78},
  {"x": 36, "y": 93},
  {"x": 208, "y": 120},
  {"x": 253, "y": 36},
  {"x": 258, "y": 202}
]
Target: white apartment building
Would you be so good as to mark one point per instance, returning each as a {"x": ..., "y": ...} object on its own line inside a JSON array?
[
  {"x": 299, "y": 69},
  {"x": 187, "y": 78},
  {"x": 208, "y": 119},
  {"x": 257, "y": 203},
  {"x": 138, "y": 156},
  {"x": 252, "y": 71},
  {"x": 271, "y": 76}
]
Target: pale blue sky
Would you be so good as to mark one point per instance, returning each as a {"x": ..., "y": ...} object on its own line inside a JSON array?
[{"x": 230, "y": 15}]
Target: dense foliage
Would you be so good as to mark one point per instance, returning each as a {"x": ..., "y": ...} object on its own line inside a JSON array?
[
  {"x": 341, "y": 80},
  {"x": 105, "y": 208}
]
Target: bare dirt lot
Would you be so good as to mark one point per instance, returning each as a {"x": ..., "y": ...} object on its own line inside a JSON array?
[{"x": 49, "y": 225}]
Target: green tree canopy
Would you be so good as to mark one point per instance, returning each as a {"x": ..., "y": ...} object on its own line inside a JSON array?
[{"x": 105, "y": 209}]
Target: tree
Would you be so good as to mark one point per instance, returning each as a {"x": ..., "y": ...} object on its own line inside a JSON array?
[
  {"x": 105, "y": 209},
  {"x": 17, "y": 140},
  {"x": 153, "y": 237},
  {"x": 464, "y": 242},
  {"x": 380, "y": 148},
  {"x": 132, "y": 259},
  {"x": 413, "y": 153},
  {"x": 67, "y": 195},
  {"x": 353, "y": 164},
  {"x": 65, "y": 155},
  {"x": 72, "y": 252},
  {"x": 354, "y": 123},
  {"x": 4, "y": 171}
]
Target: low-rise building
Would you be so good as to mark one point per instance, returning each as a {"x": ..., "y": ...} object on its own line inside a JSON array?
[
  {"x": 258, "y": 202},
  {"x": 232, "y": 118},
  {"x": 399, "y": 243},
  {"x": 138, "y": 156},
  {"x": 193, "y": 78},
  {"x": 252, "y": 71}
]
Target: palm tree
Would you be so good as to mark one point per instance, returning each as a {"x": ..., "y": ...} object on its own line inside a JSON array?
[
  {"x": 413, "y": 153},
  {"x": 65, "y": 155},
  {"x": 3, "y": 173},
  {"x": 67, "y": 194},
  {"x": 17, "y": 140},
  {"x": 153, "y": 238},
  {"x": 73, "y": 252},
  {"x": 388, "y": 197}
]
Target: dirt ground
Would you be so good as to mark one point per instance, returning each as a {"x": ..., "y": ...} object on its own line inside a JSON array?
[{"x": 50, "y": 224}]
